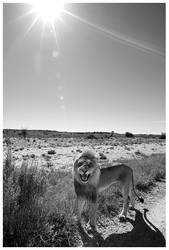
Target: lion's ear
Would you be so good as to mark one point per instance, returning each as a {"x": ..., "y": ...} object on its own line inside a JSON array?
[
  {"x": 96, "y": 159},
  {"x": 97, "y": 162},
  {"x": 75, "y": 162},
  {"x": 76, "y": 158}
]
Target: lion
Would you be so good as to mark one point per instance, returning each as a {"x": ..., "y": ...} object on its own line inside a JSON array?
[{"x": 90, "y": 180}]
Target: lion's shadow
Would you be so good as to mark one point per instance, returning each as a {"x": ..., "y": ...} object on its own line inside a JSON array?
[{"x": 143, "y": 234}]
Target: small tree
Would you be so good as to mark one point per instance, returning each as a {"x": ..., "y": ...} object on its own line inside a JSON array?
[
  {"x": 112, "y": 133},
  {"x": 24, "y": 133}
]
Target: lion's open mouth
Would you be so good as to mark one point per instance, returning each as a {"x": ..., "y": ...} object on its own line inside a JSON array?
[{"x": 84, "y": 177}]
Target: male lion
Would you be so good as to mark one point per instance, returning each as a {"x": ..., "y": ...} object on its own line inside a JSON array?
[{"x": 90, "y": 180}]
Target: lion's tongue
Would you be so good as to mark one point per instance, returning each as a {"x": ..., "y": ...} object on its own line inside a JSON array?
[{"x": 84, "y": 178}]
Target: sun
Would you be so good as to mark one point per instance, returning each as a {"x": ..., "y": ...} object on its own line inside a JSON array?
[{"x": 49, "y": 11}]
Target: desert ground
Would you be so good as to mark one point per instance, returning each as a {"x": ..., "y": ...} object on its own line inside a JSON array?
[
  {"x": 53, "y": 153},
  {"x": 60, "y": 150}
]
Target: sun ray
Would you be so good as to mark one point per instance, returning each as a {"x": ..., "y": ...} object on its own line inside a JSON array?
[
  {"x": 31, "y": 26},
  {"x": 54, "y": 31},
  {"x": 42, "y": 35},
  {"x": 28, "y": 13},
  {"x": 118, "y": 37}
]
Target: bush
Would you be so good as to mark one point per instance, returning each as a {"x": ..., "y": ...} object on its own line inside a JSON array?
[
  {"x": 24, "y": 133},
  {"x": 129, "y": 135},
  {"x": 91, "y": 136},
  {"x": 162, "y": 136},
  {"x": 111, "y": 134},
  {"x": 102, "y": 156},
  {"x": 51, "y": 152}
]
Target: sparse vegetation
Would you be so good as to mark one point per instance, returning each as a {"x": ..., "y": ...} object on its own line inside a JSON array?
[
  {"x": 39, "y": 205},
  {"x": 39, "y": 201}
]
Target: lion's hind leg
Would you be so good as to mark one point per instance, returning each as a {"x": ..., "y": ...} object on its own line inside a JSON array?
[
  {"x": 132, "y": 198},
  {"x": 125, "y": 193}
]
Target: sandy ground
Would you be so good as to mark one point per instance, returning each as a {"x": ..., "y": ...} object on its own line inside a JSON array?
[
  {"x": 145, "y": 225},
  {"x": 67, "y": 149}
]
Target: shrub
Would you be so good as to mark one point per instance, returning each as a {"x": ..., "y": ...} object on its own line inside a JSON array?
[
  {"x": 102, "y": 156},
  {"x": 24, "y": 133},
  {"x": 129, "y": 135},
  {"x": 79, "y": 150},
  {"x": 51, "y": 152},
  {"x": 137, "y": 152},
  {"x": 91, "y": 136},
  {"x": 162, "y": 136},
  {"x": 111, "y": 134}
]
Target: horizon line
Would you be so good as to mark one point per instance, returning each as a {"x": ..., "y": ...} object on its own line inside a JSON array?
[{"x": 92, "y": 131}]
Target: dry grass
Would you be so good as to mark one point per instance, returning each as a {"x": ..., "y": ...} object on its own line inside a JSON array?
[
  {"x": 39, "y": 205},
  {"x": 38, "y": 210},
  {"x": 148, "y": 170}
]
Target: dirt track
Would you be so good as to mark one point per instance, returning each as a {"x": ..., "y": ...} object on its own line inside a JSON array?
[{"x": 145, "y": 227}]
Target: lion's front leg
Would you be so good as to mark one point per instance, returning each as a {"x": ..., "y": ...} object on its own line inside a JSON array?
[
  {"x": 80, "y": 204},
  {"x": 92, "y": 214}
]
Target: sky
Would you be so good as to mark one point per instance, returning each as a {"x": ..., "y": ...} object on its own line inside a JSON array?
[{"x": 101, "y": 68}]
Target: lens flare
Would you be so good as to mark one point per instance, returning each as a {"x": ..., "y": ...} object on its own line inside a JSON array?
[{"x": 49, "y": 12}]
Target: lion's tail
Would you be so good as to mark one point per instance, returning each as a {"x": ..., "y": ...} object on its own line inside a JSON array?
[{"x": 139, "y": 198}]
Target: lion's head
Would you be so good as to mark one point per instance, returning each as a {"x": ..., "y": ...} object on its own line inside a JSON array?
[{"x": 86, "y": 169}]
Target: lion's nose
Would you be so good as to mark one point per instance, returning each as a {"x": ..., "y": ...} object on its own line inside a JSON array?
[{"x": 84, "y": 171}]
